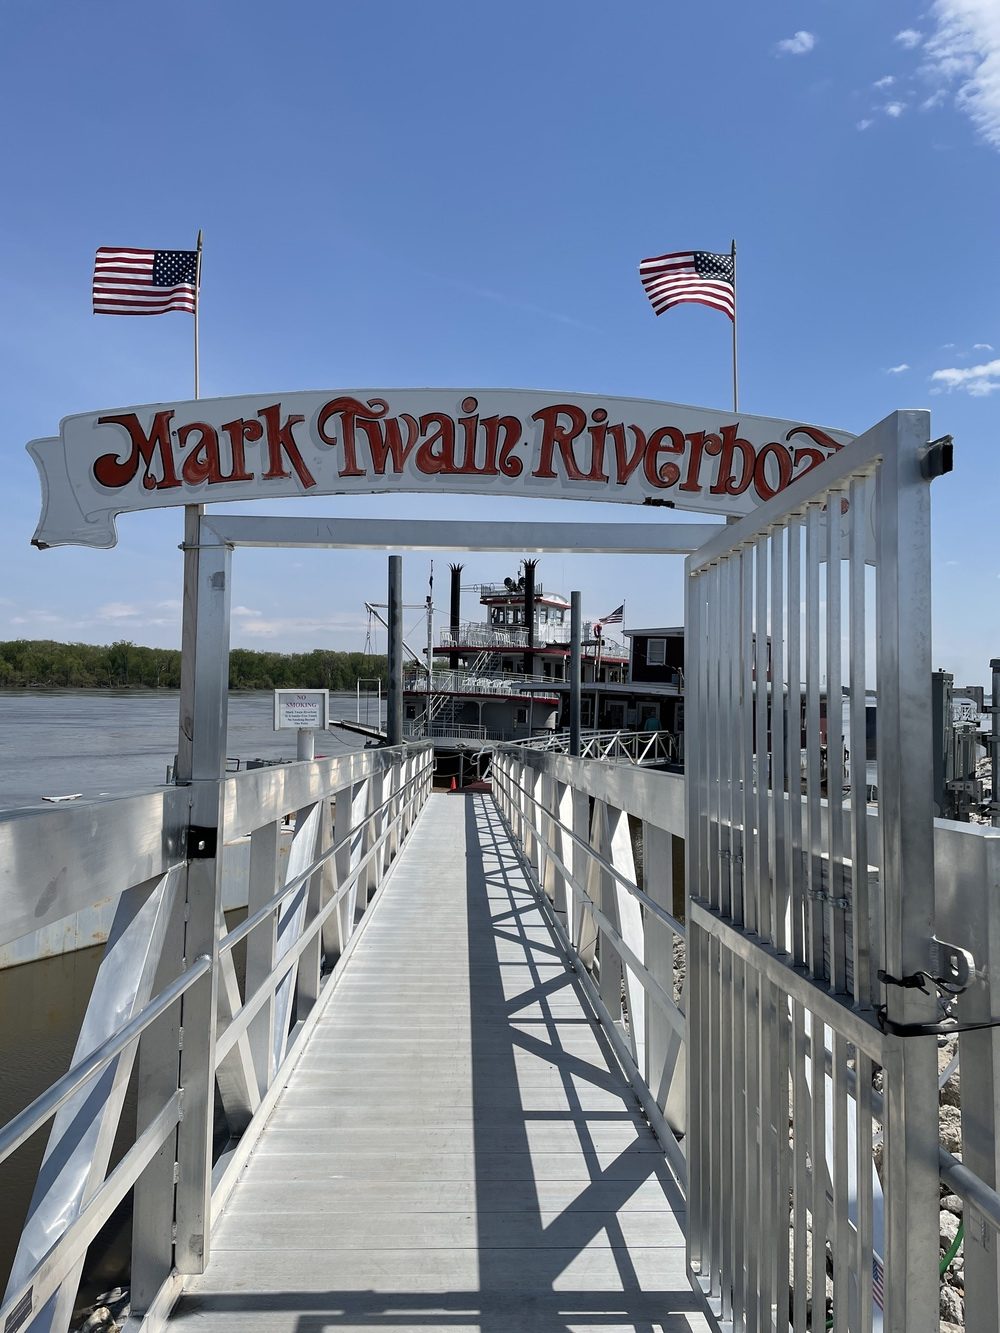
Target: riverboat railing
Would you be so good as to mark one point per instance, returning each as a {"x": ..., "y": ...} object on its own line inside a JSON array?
[
  {"x": 420, "y": 730},
  {"x": 186, "y": 1024},
  {"x": 479, "y": 682},
  {"x": 633, "y": 747},
  {"x": 506, "y": 638}
]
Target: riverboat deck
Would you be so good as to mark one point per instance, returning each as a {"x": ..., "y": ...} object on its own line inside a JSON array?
[{"x": 457, "y": 1147}]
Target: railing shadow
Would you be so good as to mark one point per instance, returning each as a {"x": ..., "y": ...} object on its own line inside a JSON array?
[{"x": 561, "y": 1217}]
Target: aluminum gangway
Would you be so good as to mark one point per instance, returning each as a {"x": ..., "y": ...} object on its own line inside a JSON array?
[
  {"x": 457, "y": 1146},
  {"x": 780, "y": 972}
]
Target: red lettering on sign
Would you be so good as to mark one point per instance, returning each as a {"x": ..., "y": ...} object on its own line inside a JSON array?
[
  {"x": 500, "y": 455},
  {"x": 202, "y": 463},
  {"x": 114, "y": 471},
  {"x": 437, "y": 453},
  {"x": 666, "y": 440},
  {"x": 238, "y": 432},
  {"x": 556, "y": 435},
  {"x": 812, "y": 457},
  {"x": 626, "y": 463},
  {"x": 783, "y": 460},
  {"x": 697, "y": 440},
  {"x": 731, "y": 445},
  {"x": 280, "y": 441}
]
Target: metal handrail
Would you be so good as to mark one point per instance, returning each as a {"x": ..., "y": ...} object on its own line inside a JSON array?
[
  {"x": 650, "y": 984},
  {"x": 227, "y": 1039},
  {"x": 44, "y": 1279},
  {"x": 630, "y": 885},
  {"x": 44, "y": 1107},
  {"x": 250, "y": 923},
  {"x": 59, "y": 1265}
]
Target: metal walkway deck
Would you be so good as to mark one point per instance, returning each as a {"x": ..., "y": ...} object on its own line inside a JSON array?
[{"x": 456, "y": 1148}]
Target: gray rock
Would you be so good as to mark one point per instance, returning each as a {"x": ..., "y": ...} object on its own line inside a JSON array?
[
  {"x": 950, "y": 1119},
  {"x": 948, "y": 1225},
  {"x": 951, "y": 1203},
  {"x": 951, "y": 1093},
  {"x": 952, "y": 1307}
]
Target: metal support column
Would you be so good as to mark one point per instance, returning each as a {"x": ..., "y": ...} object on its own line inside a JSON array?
[
  {"x": 394, "y": 711},
  {"x": 995, "y": 744},
  {"x": 574, "y": 673},
  {"x": 204, "y": 896}
]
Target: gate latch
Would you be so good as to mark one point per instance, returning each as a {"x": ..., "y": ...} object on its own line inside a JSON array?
[{"x": 951, "y": 965}]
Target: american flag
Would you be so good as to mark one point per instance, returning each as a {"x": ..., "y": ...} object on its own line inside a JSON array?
[
  {"x": 144, "y": 282},
  {"x": 691, "y": 275},
  {"x": 878, "y": 1282},
  {"x": 616, "y": 616}
]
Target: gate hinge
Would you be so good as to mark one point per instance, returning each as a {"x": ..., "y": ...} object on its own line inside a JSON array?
[
  {"x": 180, "y": 1039},
  {"x": 177, "y": 1172},
  {"x": 821, "y": 896},
  {"x": 202, "y": 842}
]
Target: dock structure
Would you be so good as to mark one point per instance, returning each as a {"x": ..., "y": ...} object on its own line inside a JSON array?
[
  {"x": 604, "y": 1048},
  {"x": 457, "y": 1146}
]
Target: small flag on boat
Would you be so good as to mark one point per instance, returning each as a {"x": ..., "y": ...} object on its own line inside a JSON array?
[
  {"x": 616, "y": 616},
  {"x": 690, "y": 275},
  {"x": 878, "y": 1282},
  {"x": 144, "y": 282}
]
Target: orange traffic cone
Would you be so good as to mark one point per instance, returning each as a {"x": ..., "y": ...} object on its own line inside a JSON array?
[{"x": 454, "y": 785}]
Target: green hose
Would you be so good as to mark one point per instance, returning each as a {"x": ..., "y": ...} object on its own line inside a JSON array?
[
  {"x": 945, "y": 1263},
  {"x": 953, "y": 1249}
]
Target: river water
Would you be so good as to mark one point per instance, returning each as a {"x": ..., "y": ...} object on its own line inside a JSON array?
[{"x": 114, "y": 742}]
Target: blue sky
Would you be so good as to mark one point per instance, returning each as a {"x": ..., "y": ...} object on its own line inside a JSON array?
[{"x": 459, "y": 193}]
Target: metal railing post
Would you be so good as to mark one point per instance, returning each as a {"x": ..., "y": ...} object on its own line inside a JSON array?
[
  {"x": 906, "y": 825},
  {"x": 574, "y": 674},
  {"x": 204, "y": 896}
]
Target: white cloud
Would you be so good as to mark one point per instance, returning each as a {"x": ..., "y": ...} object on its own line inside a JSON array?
[
  {"x": 935, "y": 99},
  {"x": 897, "y": 370},
  {"x": 800, "y": 44},
  {"x": 289, "y": 627},
  {"x": 964, "y": 50},
  {"x": 982, "y": 347},
  {"x": 979, "y": 381},
  {"x": 894, "y": 109},
  {"x": 245, "y": 611},
  {"x": 909, "y": 38},
  {"x": 886, "y": 81},
  {"x": 865, "y": 124},
  {"x": 117, "y": 611}
]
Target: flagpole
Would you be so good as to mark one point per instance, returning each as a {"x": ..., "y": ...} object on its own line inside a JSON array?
[
  {"x": 736, "y": 400},
  {"x": 189, "y": 606},
  {"x": 197, "y": 303}
]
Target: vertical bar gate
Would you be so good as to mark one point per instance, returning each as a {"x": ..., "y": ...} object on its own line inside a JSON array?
[{"x": 804, "y": 1114}]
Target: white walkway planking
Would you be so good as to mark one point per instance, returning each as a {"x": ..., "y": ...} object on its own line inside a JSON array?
[{"x": 456, "y": 1148}]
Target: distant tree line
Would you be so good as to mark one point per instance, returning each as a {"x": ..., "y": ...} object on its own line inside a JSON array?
[{"x": 43, "y": 664}]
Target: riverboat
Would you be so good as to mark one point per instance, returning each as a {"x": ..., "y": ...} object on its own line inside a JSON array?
[{"x": 506, "y": 677}]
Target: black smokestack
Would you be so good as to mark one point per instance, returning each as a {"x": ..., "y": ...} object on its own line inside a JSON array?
[
  {"x": 456, "y": 610},
  {"x": 529, "y": 613}
]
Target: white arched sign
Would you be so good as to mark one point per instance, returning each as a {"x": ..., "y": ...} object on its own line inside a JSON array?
[{"x": 515, "y": 442}]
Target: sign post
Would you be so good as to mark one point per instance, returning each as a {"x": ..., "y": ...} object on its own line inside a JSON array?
[{"x": 306, "y": 711}]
